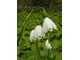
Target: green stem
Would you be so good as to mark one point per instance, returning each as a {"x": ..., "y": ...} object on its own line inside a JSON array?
[
  {"x": 48, "y": 54},
  {"x": 23, "y": 27},
  {"x": 37, "y": 48}
]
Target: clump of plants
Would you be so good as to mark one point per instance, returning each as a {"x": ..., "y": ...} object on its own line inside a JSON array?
[{"x": 40, "y": 33}]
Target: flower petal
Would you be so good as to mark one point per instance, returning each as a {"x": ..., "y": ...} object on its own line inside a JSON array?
[
  {"x": 39, "y": 32},
  {"x": 48, "y": 46},
  {"x": 48, "y": 25},
  {"x": 31, "y": 35}
]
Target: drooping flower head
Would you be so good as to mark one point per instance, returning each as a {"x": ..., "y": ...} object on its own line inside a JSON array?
[
  {"x": 37, "y": 33},
  {"x": 48, "y": 25},
  {"x": 48, "y": 46}
]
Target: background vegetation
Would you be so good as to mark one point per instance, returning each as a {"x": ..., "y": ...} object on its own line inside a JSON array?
[{"x": 31, "y": 13}]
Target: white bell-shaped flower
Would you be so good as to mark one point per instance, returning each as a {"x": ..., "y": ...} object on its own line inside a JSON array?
[
  {"x": 48, "y": 25},
  {"x": 32, "y": 36},
  {"x": 38, "y": 32},
  {"x": 48, "y": 46}
]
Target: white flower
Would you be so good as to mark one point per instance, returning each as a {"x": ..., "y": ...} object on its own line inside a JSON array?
[
  {"x": 48, "y": 25},
  {"x": 38, "y": 32},
  {"x": 32, "y": 35},
  {"x": 48, "y": 46}
]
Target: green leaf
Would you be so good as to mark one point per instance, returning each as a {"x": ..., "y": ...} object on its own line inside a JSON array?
[
  {"x": 58, "y": 56},
  {"x": 56, "y": 44}
]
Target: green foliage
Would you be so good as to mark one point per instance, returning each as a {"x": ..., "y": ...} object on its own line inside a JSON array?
[{"x": 27, "y": 50}]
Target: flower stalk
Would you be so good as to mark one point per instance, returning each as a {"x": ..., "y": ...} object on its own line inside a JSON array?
[
  {"x": 48, "y": 54},
  {"x": 37, "y": 47}
]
